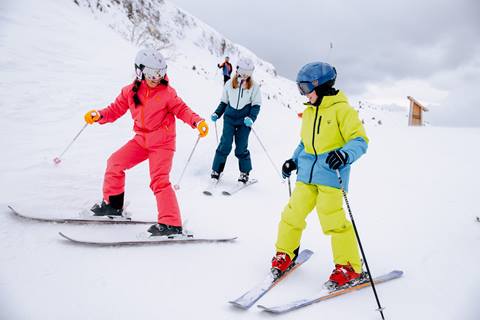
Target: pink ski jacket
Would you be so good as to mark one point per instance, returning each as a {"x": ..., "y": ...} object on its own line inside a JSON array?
[{"x": 154, "y": 118}]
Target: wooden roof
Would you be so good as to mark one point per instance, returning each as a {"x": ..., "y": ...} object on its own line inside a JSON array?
[{"x": 417, "y": 103}]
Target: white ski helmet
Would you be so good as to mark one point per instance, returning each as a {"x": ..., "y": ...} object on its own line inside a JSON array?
[
  {"x": 245, "y": 67},
  {"x": 151, "y": 64}
]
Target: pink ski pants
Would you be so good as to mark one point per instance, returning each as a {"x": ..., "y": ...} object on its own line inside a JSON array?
[{"x": 160, "y": 163}]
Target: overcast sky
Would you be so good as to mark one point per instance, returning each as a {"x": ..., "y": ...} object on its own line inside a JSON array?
[{"x": 383, "y": 50}]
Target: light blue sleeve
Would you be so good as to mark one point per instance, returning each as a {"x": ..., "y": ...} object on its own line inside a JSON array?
[
  {"x": 256, "y": 96},
  {"x": 297, "y": 151},
  {"x": 256, "y": 102},
  {"x": 355, "y": 149}
]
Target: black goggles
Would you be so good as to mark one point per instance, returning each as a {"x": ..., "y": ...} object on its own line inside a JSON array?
[{"x": 305, "y": 87}]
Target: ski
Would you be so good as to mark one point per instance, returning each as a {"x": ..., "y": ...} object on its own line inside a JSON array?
[
  {"x": 324, "y": 296},
  {"x": 86, "y": 220},
  {"x": 249, "y": 298},
  {"x": 478, "y": 219},
  {"x": 145, "y": 240},
  {"x": 238, "y": 186},
  {"x": 213, "y": 183}
]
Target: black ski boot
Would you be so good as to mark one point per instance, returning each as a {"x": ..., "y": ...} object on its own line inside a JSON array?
[
  {"x": 215, "y": 175},
  {"x": 161, "y": 229},
  {"x": 243, "y": 177},
  {"x": 114, "y": 208}
]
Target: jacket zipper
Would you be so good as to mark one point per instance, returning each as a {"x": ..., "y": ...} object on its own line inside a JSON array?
[
  {"x": 313, "y": 143},
  {"x": 319, "y": 122},
  {"x": 239, "y": 93},
  {"x": 143, "y": 116}
]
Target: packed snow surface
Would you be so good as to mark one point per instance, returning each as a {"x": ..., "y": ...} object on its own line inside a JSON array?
[{"x": 413, "y": 195}]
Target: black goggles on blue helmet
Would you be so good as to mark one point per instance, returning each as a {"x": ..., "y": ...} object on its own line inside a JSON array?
[{"x": 306, "y": 87}]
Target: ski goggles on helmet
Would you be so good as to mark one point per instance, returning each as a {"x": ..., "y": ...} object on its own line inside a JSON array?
[
  {"x": 154, "y": 74},
  {"x": 305, "y": 87},
  {"x": 150, "y": 73},
  {"x": 244, "y": 73}
]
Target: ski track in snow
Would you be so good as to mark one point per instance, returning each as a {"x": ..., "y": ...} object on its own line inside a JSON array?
[{"x": 412, "y": 195}]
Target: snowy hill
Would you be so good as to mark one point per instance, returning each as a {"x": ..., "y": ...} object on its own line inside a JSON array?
[
  {"x": 412, "y": 197},
  {"x": 160, "y": 24}
]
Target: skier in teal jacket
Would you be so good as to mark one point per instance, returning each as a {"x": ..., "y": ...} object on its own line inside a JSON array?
[{"x": 240, "y": 105}]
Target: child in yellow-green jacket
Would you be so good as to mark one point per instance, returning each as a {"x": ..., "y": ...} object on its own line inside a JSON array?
[{"x": 332, "y": 138}]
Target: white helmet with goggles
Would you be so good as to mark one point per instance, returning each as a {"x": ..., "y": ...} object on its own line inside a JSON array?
[
  {"x": 245, "y": 67},
  {"x": 150, "y": 64}
]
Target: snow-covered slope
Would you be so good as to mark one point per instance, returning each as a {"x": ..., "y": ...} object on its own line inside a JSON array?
[
  {"x": 160, "y": 24},
  {"x": 412, "y": 195}
]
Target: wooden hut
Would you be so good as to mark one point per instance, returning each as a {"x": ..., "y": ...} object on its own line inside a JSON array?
[{"x": 415, "y": 118}]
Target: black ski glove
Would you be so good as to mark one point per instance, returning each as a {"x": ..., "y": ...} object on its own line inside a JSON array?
[
  {"x": 288, "y": 167},
  {"x": 337, "y": 159}
]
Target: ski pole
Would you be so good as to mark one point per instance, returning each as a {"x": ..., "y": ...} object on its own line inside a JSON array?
[
  {"x": 58, "y": 159},
  {"x": 289, "y": 187},
  {"x": 266, "y": 152},
  {"x": 216, "y": 132},
  {"x": 380, "y": 308},
  {"x": 177, "y": 185}
]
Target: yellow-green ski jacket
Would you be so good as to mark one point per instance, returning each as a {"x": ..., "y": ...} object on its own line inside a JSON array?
[{"x": 334, "y": 124}]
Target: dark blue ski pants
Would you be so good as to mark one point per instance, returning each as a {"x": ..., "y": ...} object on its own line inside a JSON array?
[{"x": 230, "y": 131}]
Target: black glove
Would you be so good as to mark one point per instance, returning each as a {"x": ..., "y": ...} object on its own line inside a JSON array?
[
  {"x": 288, "y": 167},
  {"x": 337, "y": 159}
]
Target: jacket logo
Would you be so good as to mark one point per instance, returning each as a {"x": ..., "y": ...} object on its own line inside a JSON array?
[{"x": 329, "y": 121}]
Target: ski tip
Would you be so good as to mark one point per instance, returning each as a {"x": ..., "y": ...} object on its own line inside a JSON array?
[
  {"x": 307, "y": 251},
  {"x": 226, "y": 193},
  {"x": 239, "y": 305},
  {"x": 64, "y": 236},
  {"x": 398, "y": 273},
  {"x": 267, "y": 309}
]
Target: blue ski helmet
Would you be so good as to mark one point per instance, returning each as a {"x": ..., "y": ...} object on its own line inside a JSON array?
[{"x": 315, "y": 74}]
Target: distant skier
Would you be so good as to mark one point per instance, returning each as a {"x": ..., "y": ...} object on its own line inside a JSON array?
[
  {"x": 332, "y": 137},
  {"x": 227, "y": 69},
  {"x": 240, "y": 102},
  {"x": 153, "y": 105}
]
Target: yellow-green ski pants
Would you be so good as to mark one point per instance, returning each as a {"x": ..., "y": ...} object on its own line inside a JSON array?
[{"x": 329, "y": 204}]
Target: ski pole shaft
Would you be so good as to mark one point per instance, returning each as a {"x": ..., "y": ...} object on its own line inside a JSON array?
[
  {"x": 266, "y": 152},
  {"x": 177, "y": 185},
  {"x": 380, "y": 308},
  {"x": 59, "y": 158},
  {"x": 289, "y": 187},
  {"x": 216, "y": 131}
]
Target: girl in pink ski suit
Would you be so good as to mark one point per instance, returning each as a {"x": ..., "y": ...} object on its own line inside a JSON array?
[{"x": 153, "y": 107}]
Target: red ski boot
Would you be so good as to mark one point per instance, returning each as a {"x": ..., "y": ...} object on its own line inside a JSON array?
[
  {"x": 344, "y": 276},
  {"x": 280, "y": 264}
]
